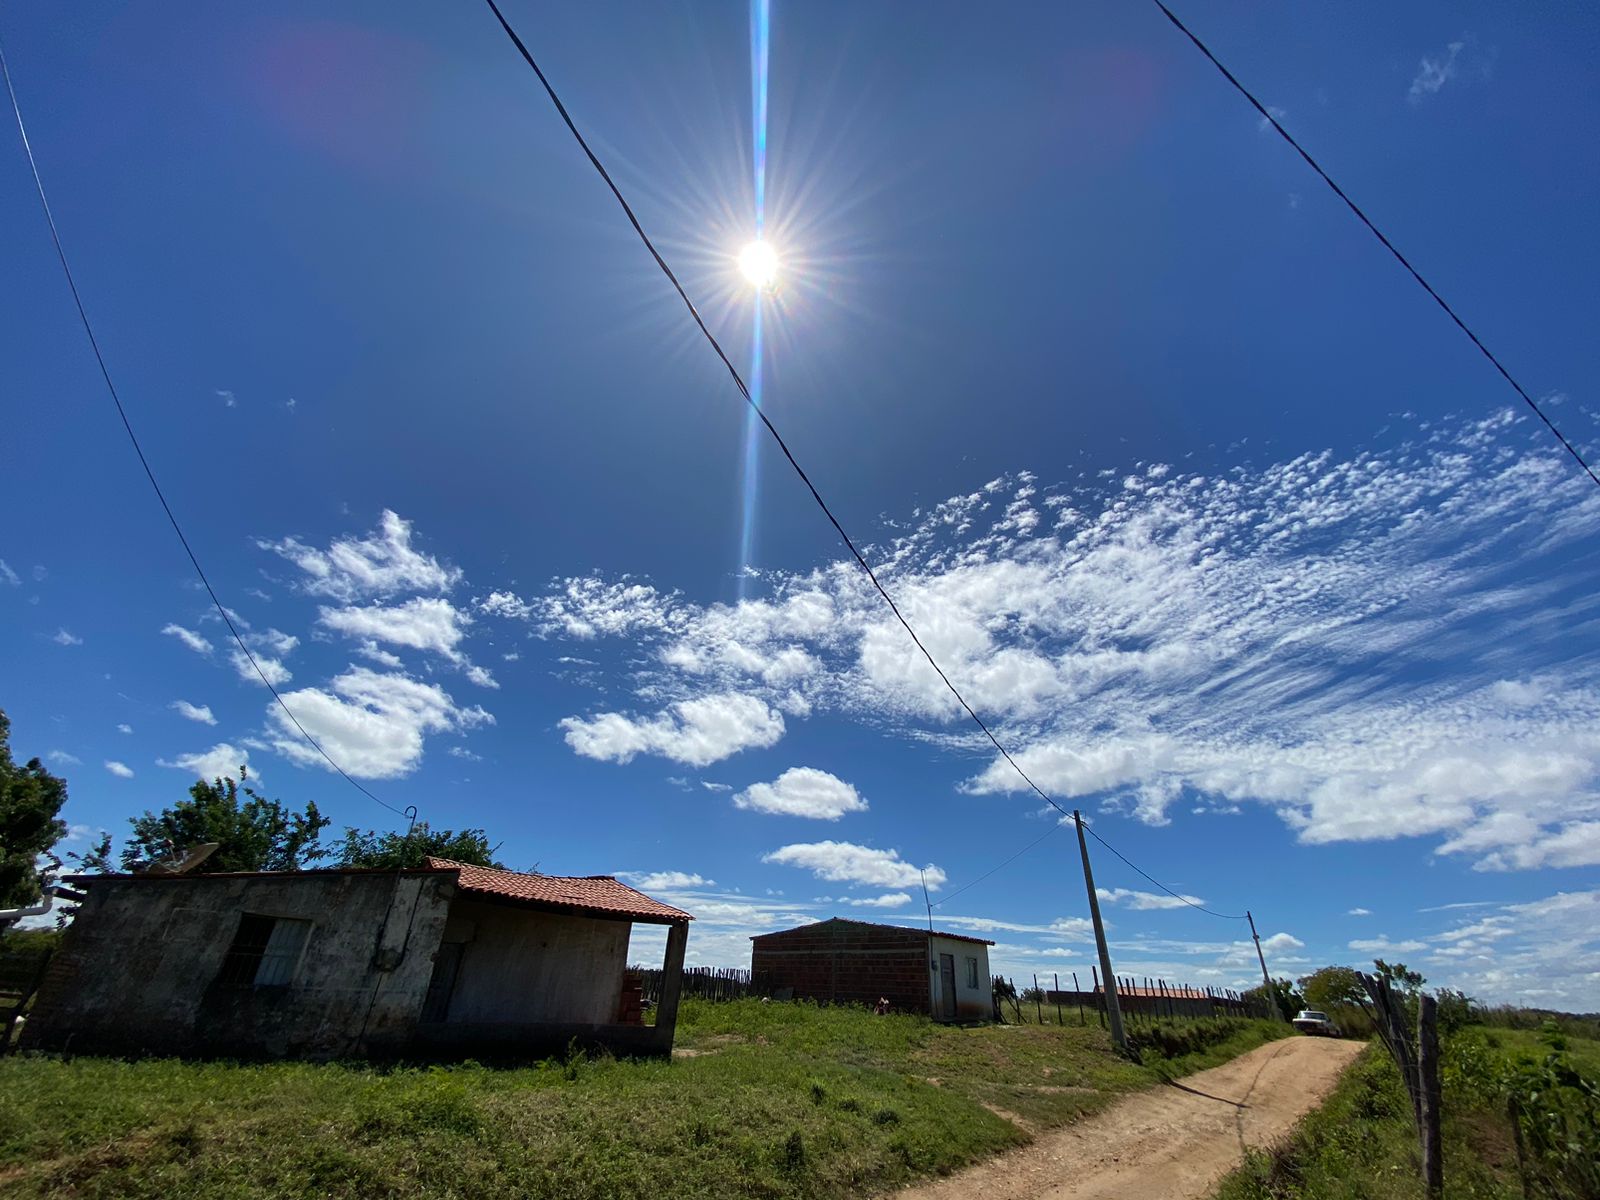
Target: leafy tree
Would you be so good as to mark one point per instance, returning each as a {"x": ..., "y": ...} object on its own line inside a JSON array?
[
  {"x": 30, "y": 822},
  {"x": 1400, "y": 977},
  {"x": 393, "y": 851},
  {"x": 1287, "y": 1000},
  {"x": 252, "y": 832},
  {"x": 1333, "y": 988}
]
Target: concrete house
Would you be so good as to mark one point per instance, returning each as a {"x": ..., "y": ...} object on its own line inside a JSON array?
[
  {"x": 945, "y": 975},
  {"x": 444, "y": 960}
]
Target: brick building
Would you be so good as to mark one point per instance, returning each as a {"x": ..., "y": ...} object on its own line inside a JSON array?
[{"x": 839, "y": 961}]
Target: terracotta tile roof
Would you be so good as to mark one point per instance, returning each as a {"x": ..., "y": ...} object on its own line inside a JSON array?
[{"x": 581, "y": 893}]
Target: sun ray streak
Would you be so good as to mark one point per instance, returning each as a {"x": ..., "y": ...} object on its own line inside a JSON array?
[{"x": 760, "y": 30}]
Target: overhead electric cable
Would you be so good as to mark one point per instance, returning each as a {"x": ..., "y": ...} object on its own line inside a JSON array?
[
  {"x": 1054, "y": 826},
  {"x": 744, "y": 391},
  {"x": 105, "y": 373},
  {"x": 1159, "y": 884},
  {"x": 1338, "y": 191}
]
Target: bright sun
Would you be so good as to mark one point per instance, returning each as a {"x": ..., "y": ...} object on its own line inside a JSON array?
[{"x": 758, "y": 263}]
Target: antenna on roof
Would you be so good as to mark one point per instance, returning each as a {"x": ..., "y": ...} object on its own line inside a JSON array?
[
  {"x": 182, "y": 864},
  {"x": 923, "y": 875}
]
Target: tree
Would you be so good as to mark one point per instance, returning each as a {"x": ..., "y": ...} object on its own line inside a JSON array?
[
  {"x": 1400, "y": 977},
  {"x": 393, "y": 851},
  {"x": 30, "y": 822},
  {"x": 252, "y": 833},
  {"x": 1283, "y": 996},
  {"x": 1333, "y": 988}
]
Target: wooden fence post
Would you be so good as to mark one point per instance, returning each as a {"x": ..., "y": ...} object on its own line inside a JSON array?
[
  {"x": 1428, "y": 1094},
  {"x": 1078, "y": 992},
  {"x": 1038, "y": 1001},
  {"x": 1056, "y": 975}
]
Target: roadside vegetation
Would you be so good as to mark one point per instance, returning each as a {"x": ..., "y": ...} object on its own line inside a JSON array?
[
  {"x": 1521, "y": 1118},
  {"x": 773, "y": 1100}
]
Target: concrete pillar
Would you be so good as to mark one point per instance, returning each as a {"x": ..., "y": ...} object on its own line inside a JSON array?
[{"x": 671, "y": 986}]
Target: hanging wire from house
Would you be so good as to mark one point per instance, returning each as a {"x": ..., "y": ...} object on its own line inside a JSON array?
[
  {"x": 744, "y": 391},
  {"x": 1338, "y": 191},
  {"x": 105, "y": 373},
  {"x": 1055, "y": 826}
]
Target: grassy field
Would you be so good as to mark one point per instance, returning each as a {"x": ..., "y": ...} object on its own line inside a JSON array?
[
  {"x": 777, "y": 1100},
  {"x": 1362, "y": 1144}
]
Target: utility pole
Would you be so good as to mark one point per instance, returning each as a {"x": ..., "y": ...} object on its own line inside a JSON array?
[
  {"x": 1113, "y": 1009},
  {"x": 1266, "y": 979}
]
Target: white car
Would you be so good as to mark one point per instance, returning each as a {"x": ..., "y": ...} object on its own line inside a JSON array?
[{"x": 1309, "y": 1020}]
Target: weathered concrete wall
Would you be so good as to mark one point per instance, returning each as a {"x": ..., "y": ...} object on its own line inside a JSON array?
[
  {"x": 845, "y": 963},
  {"x": 138, "y": 969},
  {"x": 972, "y": 1003},
  {"x": 523, "y": 966}
]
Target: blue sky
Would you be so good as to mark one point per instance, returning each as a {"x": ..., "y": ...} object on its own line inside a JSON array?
[{"x": 1238, "y": 543}]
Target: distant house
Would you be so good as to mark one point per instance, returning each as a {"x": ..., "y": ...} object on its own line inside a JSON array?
[
  {"x": 444, "y": 960},
  {"x": 945, "y": 975}
]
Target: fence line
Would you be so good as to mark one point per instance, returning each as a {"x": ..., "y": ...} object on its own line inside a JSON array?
[{"x": 704, "y": 983}]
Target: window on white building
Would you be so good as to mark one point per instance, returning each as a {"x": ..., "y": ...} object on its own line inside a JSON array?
[{"x": 972, "y": 973}]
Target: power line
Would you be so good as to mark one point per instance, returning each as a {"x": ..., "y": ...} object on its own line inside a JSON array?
[
  {"x": 1054, "y": 827},
  {"x": 105, "y": 373},
  {"x": 1338, "y": 191},
  {"x": 744, "y": 391},
  {"x": 1159, "y": 884}
]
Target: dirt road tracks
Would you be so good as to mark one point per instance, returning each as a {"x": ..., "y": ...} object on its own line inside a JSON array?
[{"x": 1171, "y": 1143}]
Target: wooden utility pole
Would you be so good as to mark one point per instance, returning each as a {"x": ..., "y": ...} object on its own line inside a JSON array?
[
  {"x": 1266, "y": 979},
  {"x": 1119, "y": 1038}
]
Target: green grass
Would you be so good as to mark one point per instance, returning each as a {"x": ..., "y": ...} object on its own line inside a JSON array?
[
  {"x": 1362, "y": 1143},
  {"x": 776, "y": 1100}
]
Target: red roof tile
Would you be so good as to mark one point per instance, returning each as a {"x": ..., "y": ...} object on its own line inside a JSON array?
[{"x": 582, "y": 893}]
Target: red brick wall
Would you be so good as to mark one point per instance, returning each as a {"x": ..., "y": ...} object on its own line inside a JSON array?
[{"x": 846, "y": 964}]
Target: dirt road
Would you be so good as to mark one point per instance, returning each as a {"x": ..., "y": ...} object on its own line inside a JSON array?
[{"x": 1172, "y": 1143}]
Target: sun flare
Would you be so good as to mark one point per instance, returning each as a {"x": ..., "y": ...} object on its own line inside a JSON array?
[{"x": 758, "y": 263}]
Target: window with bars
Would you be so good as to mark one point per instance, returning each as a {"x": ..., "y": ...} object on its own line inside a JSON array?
[{"x": 265, "y": 951}]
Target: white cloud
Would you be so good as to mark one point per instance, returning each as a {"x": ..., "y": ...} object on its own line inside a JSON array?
[
  {"x": 1141, "y": 901},
  {"x": 194, "y": 712},
  {"x": 803, "y": 792},
  {"x": 120, "y": 770},
  {"x": 189, "y": 638},
  {"x": 846, "y": 862},
  {"x": 8, "y": 576},
  {"x": 372, "y": 651},
  {"x": 270, "y": 668},
  {"x": 716, "y": 787},
  {"x": 64, "y": 759},
  {"x": 694, "y": 732},
  {"x": 423, "y": 623},
  {"x": 1372, "y": 647},
  {"x": 1278, "y": 115},
  {"x": 379, "y": 565},
  {"x": 480, "y": 676},
  {"x": 1435, "y": 71},
  {"x": 504, "y": 604},
  {"x": 229, "y": 400},
  {"x": 663, "y": 881},
  {"x": 1279, "y": 943},
  {"x": 463, "y": 753},
  {"x": 1359, "y": 912},
  {"x": 222, "y": 759},
  {"x": 64, "y": 638},
  {"x": 887, "y": 900},
  {"x": 124, "y": 728},
  {"x": 372, "y": 724},
  {"x": 1382, "y": 945}
]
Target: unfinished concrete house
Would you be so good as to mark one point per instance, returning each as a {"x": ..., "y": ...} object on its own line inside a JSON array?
[
  {"x": 945, "y": 975},
  {"x": 445, "y": 960}
]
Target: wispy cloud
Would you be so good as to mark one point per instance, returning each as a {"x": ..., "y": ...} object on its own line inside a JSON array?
[
  {"x": 63, "y": 637},
  {"x": 194, "y": 712},
  {"x": 120, "y": 770},
  {"x": 1459, "y": 57},
  {"x": 189, "y": 638},
  {"x": 1312, "y": 635},
  {"x": 8, "y": 576}
]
